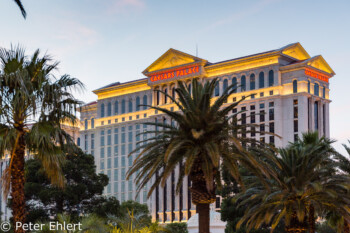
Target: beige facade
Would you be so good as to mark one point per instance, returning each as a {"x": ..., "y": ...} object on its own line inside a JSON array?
[{"x": 290, "y": 92}]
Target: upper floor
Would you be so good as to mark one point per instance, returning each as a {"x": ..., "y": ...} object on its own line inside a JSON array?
[{"x": 285, "y": 71}]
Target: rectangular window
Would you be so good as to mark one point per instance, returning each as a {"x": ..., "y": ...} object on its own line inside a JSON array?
[
  {"x": 272, "y": 140},
  {"x": 244, "y": 119},
  {"x": 130, "y": 161},
  {"x": 123, "y": 138},
  {"x": 130, "y": 136},
  {"x": 116, "y": 175},
  {"x": 130, "y": 148},
  {"x": 109, "y": 163},
  {"x": 123, "y": 149},
  {"x": 262, "y": 115},
  {"x": 262, "y": 105},
  {"x": 123, "y": 186},
  {"x": 252, "y": 117},
  {"x": 123, "y": 161},
  {"x": 130, "y": 185},
  {"x": 271, "y": 114},
  {"x": 116, "y": 162},
  {"x": 123, "y": 174},
  {"x": 262, "y": 129},
  {"x": 272, "y": 127},
  {"x": 316, "y": 115},
  {"x": 102, "y": 139},
  {"x": 109, "y": 151},
  {"x": 102, "y": 152},
  {"x": 116, "y": 190},
  {"x": 295, "y": 112},
  {"x": 102, "y": 164},
  {"x": 86, "y": 142},
  {"x": 116, "y": 148},
  {"x": 252, "y": 107},
  {"x": 92, "y": 141},
  {"x": 295, "y": 126},
  {"x": 253, "y": 132},
  {"x": 271, "y": 104}
]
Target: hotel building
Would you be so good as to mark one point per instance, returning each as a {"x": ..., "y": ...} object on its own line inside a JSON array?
[{"x": 289, "y": 95}]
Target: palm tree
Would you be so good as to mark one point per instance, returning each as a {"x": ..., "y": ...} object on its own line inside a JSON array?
[
  {"x": 200, "y": 139},
  {"x": 304, "y": 182},
  {"x": 21, "y": 7},
  {"x": 33, "y": 106},
  {"x": 334, "y": 218}
]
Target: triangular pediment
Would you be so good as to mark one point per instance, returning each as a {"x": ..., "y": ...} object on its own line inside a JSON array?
[
  {"x": 320, "y": 63},
  {"x": 296, "y": 51},
  {"x": 172, "y": 58}
]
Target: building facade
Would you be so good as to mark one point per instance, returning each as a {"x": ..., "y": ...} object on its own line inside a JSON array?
[{"x": 289, "y": 92}]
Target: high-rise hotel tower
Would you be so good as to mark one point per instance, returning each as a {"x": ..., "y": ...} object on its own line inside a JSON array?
[{"x": 291, "y": 96}]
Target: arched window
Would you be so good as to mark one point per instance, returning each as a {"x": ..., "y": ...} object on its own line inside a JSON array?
[
  {"x": 234, "y": 82},
  {"x": 324, "y": 92},
  {"x": 137, "y": 103},
  {"x": 86, "y": 124},
  {"x": 109, "y": 109},
  {"x": 261, "y": 80},
  {"x": 165, "y": 95},
  {"x": 243, "y": 83},
  {"x": 252, "y": 81},
  {"x": 217, "y": 89},
  {"x": 123, "y": 107},
  {"x": 225, "y": 85},
  {"x": 145, "y": 102},
  {"x": 102, "y": 110},
  {"x": 130, "y": 105},
  {"x": 116, "y": 107},
  {"x": 295, "y": 86},
  {"x": 316, "y": 89},
  {"x": 271, "y": 78},
  {"x": 92, "y": 123},
  {"x": 308, "y": 86}
]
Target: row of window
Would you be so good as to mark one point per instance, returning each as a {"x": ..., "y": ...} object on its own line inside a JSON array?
[
  {"x": 243, "y": 83},
  {"x": 125, "y": 106},
  {"x": 316, "y": 88}
]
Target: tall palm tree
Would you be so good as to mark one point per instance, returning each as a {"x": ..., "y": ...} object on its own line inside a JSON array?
[
  {"x": 21, "y": 7},
  {"x": 201, "y": 139},
  {"x": 33, "y": 106},
  {"x": 305, "y": 182}
]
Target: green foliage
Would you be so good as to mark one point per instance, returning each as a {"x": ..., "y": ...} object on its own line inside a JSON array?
[
  {"x": 178, "y": 227},
  {"x": 324, "y": 228},
  {"x": 139, "y": 210},
  {"x": 82, "y": 193},
  {"x": 302, "y": 175}
]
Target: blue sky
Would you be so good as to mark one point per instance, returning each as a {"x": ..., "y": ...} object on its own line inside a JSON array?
[{"x": 104, "y": 41}]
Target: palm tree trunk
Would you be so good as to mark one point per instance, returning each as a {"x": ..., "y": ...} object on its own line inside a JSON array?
[
  {"x": 203, "y": 218},
  {"x": 311, "y": 219},
  {"x": 17, "y": 185},
  {"x": 201, "y": 197},
  {"x": 295, "y": 226}
]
